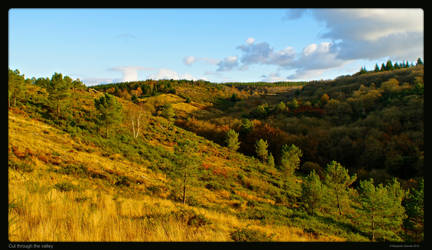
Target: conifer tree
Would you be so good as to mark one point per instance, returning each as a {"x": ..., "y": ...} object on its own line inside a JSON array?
[
  {"x": 419, "y": 61},
  {"x": 376, "y": 68},
  {"x": 232, "y": 140},
  {"x": 15, "y": 86},
  {"x": 58, "y": 90},
  {"x": 109, "y": 111},
  {"x": 381, "y": 211},
  {"x": 261, "y": 149},
  {"x": 290, "y": 159},
  {"x": 414, "y": 205},
  {"x": 187, "y": 164},
  {"x": 312, "y": 192},
  {"x": 338, "y": 181},
  {"x": 270, "y": 160}
]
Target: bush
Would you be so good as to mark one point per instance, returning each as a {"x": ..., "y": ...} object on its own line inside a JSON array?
[
  {"x": 198, "y": 221},
  {"x": 242, "y": 235},
  {"x": 23, "y": 166},
  {"x": 65, "y": 186}
]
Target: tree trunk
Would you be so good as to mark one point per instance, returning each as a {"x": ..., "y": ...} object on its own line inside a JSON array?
[
  {"x": 184, "y": 188},
  {"x": 373, "y": 229},
  {"x": 338, "y": 204}
]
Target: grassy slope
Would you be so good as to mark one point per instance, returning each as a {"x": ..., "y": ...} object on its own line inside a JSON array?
[{"x": 63, "y": 189}]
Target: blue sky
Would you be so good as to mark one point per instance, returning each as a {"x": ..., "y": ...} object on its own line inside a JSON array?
[{"x": 218, "y": 45}]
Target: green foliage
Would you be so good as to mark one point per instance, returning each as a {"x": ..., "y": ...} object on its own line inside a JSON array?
[
  {"x": 65, "y": 186},
  {"x": 271, "y": 161},
  {"x": 338, "y": 180},
  {"x": 232, "y": 140},
  {"x": 414, "y": 206},
  {"x": 23, "y": 166},
  {"x": 58, "y": 89},
  {"x": 109, "y": 111},
  {"x": 312, "y": 192},
  {"x": 16, "y": 87},
  {"x": 290, "y": 159},
  {"x": 261, "y": 149},
  {"x": 168, "y": 112},
  {"x": 381, "y": 211},
  {"x": 281, "y": 107},
  {"x": 246, "y": 234}
]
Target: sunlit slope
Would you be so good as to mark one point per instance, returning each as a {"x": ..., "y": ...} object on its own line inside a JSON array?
[{"x": 64, "y": 189}]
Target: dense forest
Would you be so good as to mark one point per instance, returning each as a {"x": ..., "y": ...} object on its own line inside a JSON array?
[{"x": 337, "y": 158}]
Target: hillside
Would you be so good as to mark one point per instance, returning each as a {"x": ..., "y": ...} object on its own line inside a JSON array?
[
  {"x": 160, "y": 170},
  {"x": 83, "y": 192}
]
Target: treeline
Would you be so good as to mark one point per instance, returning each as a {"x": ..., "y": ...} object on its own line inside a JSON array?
[
  {"x": 265, "y": 84},
  {"x": 390, "y": 66}
]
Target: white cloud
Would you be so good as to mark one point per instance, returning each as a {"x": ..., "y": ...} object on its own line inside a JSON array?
[
  {"x": 91, "y": 81},
  {"x": 273, "y": 77},
  {"x": 171, "y": 74},
  {"x": 228, "y": 63},
  {"x": 262, "y": 53},
  {"x": 250, "y": 40},
  {"x": 189, "y": 60},
  {"x": 130, "y": 73},
  {"x": 374, "y": 33}
]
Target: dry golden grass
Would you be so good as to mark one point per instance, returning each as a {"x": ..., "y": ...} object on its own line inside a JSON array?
[{"x": 96, "y": 211}]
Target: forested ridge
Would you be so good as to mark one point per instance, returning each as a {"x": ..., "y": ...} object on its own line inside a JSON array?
[{"x": 337, "y": 159}]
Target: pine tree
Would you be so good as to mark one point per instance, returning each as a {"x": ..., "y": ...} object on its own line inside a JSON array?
[
  {"x": 376, "y": 68},
  {"x": 58, "y": 90},
  {"x": 414, "y": 205},
  {"x": 261, "y": 149},
  {"x": 270, "y": 160},
  {"x": 312, "y": 192},
  {"x": 419, "y": 61},
  {"x": 381, "y": 211},
  {"x": 338, "y": 180},
  {"x": 168, "y": 112},
  {"x": 187, "y": 165},
  {"x": 290, "y": 159},
  {"x": 16, "y": 87},
  {"x": 109, "y": 111},
  {"x": 232, "y": 140},
  {"x": 389, "y": 65}
]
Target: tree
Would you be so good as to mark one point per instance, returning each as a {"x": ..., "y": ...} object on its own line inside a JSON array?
[
  {"x": 389, "y": 65},
  {"x": 16, "y": 86},
  {"x": 312, "y": 191},
  {"x": 187, "y": 164},
  {"x": 376, "y": 68},
  {"x": 419, "y": 61},
  {"x": 338, "y": 180},
  {"x": 232, "y": 140},
  {"x": 414, "y": 206},
  {"x": 261, "y": 149},
  {"x": 324, "y": 99},
  {"x": 109, "y": 111},
  {"x": 58, "y": 90},
  {"x": 281, "y": 107},
  {"x": 168, "y": 112},
  {"x": 290, "y": 159},
  {"x": 270, "y": 160},
  {"x": 137, "y": 116},
  {"x": 381, "y": 210}
]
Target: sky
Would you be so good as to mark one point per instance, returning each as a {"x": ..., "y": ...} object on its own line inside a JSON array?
[{"x": 219, "y": 45}]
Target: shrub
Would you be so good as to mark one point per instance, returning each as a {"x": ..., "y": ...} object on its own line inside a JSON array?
[
  {"x": 242, "y": 235},
  {"x": 198, "y": 221},
  {"x": 23, "y": 166},
  {"x": 65, "y": 186}
]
